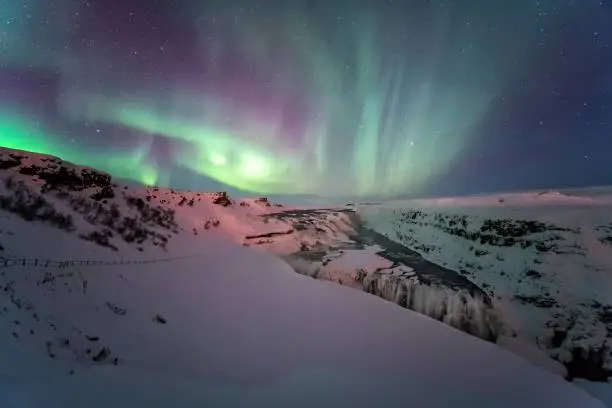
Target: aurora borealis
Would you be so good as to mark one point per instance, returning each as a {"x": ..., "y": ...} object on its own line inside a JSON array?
[{"x": 314, "y": 97}]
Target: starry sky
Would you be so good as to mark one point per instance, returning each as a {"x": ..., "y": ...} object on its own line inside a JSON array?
[{"x": 330, "y": 98}]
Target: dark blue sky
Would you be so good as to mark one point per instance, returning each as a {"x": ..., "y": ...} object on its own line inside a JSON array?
[{"x": 553, "y": 126}]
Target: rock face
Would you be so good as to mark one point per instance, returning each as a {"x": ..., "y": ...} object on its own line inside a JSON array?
[
  {"x": 221, "y": 198},
  {"x": 64, "y": 178},
  {"x": 466, "y": 311},
  {"x": 492, "y": 232},
  {"x": 46, "y": 189},
  {"x": 410, "y": 281},
  {"x": 544, "y": 268}
]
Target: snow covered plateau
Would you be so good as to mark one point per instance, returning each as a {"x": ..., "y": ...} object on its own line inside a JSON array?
[{"x": 124, "y": 296}]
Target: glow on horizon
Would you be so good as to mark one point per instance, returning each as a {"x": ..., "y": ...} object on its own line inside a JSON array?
[{"x": 278, "y": 110}]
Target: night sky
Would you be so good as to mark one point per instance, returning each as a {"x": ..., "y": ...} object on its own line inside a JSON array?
[{"x": 342, "y": 97}]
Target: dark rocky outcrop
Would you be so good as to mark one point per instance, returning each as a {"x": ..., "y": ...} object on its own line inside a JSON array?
[
  {"x": 33, "y": 207},
  {"x": 588, "y": 364},
  {"x": 264, "y": 200},
  {"x": 102, "y": 208},
  {"x": 493, "y": 232},
  {"x": 221, "y": 198},
  {"x": 101, "y": 238},
  {"x": 106, "y": 192},
  {"x": 542, "y": 301},
  {"x": 67, "y": 178},
  {"x": 12, "y": 161}
]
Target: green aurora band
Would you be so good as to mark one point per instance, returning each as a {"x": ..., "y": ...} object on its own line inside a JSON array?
[
  {"x": 21, "y": 133},
  {"x": 370, "y": 121}
]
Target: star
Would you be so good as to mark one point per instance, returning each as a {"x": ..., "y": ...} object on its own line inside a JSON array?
[{"x": 381, "y": 98}]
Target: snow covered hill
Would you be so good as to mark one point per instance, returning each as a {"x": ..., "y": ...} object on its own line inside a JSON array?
[
  {"x": 151, "y": 297},
  {"x": 85, "y": 202},
  {"x": 545, "y": 258}
]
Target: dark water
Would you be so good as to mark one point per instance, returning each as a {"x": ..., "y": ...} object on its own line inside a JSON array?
[
  {"x": 428, "y": 272},
  {"x": 438, "y": 292}
]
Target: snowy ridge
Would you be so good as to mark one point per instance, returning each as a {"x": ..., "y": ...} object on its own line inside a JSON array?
[
  {"x": 124, "y": 219},
  {"x": 544, "y": 258},
  {"x": 226, "y": 325}
]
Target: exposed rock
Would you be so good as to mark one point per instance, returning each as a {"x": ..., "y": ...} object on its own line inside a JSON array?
[
  {"x": 119, "y": 311},
  {"x": 543, "y": 301},
  {"x": 588, "y": 364},
  {"x": 221, "y": 198},
  {"x": 159, "y": 319},
  {"x": 31, "y": 206},
  {"x": 102, "y": 355}
]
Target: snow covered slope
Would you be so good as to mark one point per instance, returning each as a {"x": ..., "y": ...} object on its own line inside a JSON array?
[
  {"x": 235, "y": 327},
  {"x": 545, "y": 258},
  {"x": 207, "y": 322},
  {"x": 85, "y": 202}
]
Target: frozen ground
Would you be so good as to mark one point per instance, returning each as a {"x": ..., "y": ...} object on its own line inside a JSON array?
[
  {"x": 236, "y": 327},
  {"x": 545, "y": 258},
  {"x": 209, "y": 321}
]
